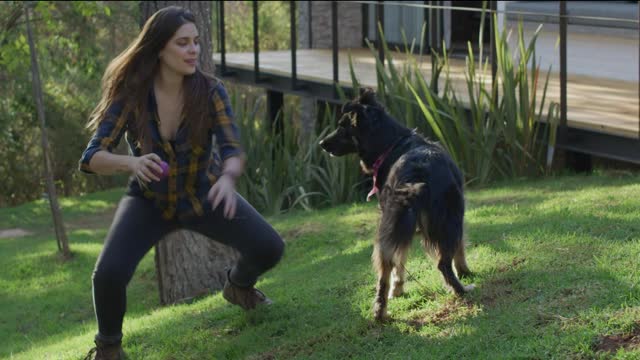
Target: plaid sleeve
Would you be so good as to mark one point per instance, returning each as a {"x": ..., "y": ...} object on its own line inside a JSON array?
[
  {"x": 225, "y": 129},
  {"x": 106, "y": 137}
]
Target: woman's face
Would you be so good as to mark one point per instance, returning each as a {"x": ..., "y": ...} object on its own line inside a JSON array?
[{"x": 180, "y": 54}]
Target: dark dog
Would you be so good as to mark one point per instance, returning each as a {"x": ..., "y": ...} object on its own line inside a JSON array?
[{"x": 417, "y": 184}]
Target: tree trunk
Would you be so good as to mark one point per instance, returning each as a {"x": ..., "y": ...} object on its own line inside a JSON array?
[
  {"x": 189, "y": 264},
  {"x": 58, "y": 224},
  {"x": 202, "y": 12}
]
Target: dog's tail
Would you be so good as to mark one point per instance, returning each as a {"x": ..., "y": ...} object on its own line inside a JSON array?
[{"x": 399, "y": 218}]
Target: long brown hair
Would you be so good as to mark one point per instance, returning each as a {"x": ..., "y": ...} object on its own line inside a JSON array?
[{"x": 129, "y": 78}]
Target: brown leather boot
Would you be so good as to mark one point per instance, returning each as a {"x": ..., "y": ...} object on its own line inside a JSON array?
[
  {"x": 104, "y": 351},
  {"x": 245, "y": 297}
]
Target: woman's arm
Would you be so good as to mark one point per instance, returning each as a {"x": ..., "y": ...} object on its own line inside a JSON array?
[
  {"x": 234, "y": 166},
  {"x": 228, "y": 141},
  {"x": 226, "y": 131},
  {"x": 106, "y": 163},
  {"x": 146, "y": 166}
]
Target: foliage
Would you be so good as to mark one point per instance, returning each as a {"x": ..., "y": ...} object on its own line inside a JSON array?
[
  {"x": 285, "y": 171},
  {"x": 75, "y": 40},
  {"x": 493, "y": 131},
  {"x": 274, "y": 34},
  {"x": 495, "y": 138},
  {"x": 555, "y": 262}
]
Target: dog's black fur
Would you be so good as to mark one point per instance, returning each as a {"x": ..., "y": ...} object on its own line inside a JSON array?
[{"x": 419, "y": 185}]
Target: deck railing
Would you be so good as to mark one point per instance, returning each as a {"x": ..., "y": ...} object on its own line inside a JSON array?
[{"x": 590, "y": 142}]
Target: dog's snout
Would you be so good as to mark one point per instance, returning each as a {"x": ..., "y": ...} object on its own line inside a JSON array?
[{"x": 321, "y": 142}]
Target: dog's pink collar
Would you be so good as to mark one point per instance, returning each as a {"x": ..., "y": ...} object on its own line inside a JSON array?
[
  {"x": 376, "y": 166},
  {"x": 378, "y": 163}
]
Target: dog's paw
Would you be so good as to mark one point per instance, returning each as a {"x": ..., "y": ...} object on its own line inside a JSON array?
[
  {"x": 465, "y": 274},
  {"x": 460, "y": 292},
  {"x": 397, "y": 291},
  {"x": 380, "y": 313}
]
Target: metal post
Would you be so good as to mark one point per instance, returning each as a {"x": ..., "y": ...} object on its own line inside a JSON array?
[
  {"x": 275, "y": 102},
  {"x": 364, "y": 11},
  {"x": 433, "y": 27},
  {"x": 223, "y": 47},
  {"x": 256, "y": 44},
  {"x": 310, "y": 24},
  {"x": 334, "y": 39},
  {"x": 563, "y": 70},
  {"x": 427, "y": 20},
  {"x": 578, "y": 161},
  {"x": 433, "y": 40},
  {"x": 294, "y": 75},
  {"x": 380, "y": 20},
  {"x": 492, "y": 49}
]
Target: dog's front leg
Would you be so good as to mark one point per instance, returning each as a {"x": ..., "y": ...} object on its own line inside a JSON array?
[
  {"x": 398, "y": 274},
  {"x": 383, "y": 267}
]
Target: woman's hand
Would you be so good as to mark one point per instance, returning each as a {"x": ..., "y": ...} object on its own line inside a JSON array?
[
  {"x": 224, "y": 189},
  {"x": 146, "y": 167}
]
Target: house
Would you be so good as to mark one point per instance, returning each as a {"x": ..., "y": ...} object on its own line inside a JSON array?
[{"x": 601, "y": 39}]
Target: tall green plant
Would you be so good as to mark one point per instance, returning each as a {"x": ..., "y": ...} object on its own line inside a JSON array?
[
  {"x": 276, "y": 174},
  {"x": 284, "y": 171},
  {"x": 492, "y": 130},
  {"x": 337, "y": 179}
]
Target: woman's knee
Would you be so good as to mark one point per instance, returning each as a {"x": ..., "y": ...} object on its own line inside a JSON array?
[
  {"x": 109, "y": 274},
  {"x": 272, "y": 250}
]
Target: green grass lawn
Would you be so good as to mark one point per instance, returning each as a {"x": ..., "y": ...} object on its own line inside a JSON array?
[{"x": 556, "y": 262}]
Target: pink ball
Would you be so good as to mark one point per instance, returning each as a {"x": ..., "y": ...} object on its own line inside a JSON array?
[{"x": 165, "y": 170}]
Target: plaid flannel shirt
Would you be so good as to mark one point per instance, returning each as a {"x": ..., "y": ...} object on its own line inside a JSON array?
[{"x": 192, "y": 169}]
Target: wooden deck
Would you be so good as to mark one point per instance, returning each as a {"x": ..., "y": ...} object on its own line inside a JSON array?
[{"x": 601, "y": 104}]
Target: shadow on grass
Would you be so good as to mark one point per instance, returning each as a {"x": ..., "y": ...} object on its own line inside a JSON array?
[
  {"x": 323, "y": 310},
  {"x": 532, "y": 306}
]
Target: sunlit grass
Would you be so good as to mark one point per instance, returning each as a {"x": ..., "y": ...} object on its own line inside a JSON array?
[{"x": 555, "y": 264}]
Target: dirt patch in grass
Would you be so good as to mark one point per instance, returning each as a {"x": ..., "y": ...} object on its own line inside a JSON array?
[
  {"x": 495, "y": 290},
  {"x": 501, "y": 286},
  {"x": 14, "y": 233},
  {"x": 303, "y": 349},
  {"x": 452, "y": 309},
  {"x": 365, "y": 229},
  {"x": 93, "y": 221},
  {"x": 269, "y": 355},
  {"x": 305, "y": 229},
  {"x": 499, "y": 200},
  {"x": 611, "y": 343},
  {"x": 515, "y": 263}
]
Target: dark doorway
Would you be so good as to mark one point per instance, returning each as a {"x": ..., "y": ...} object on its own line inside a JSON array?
[{"x": 465, "y": 27}]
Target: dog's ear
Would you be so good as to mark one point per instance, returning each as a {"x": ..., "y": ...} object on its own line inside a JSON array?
[
  {"x": 354, "y": 119},
  {"x": 368, "y": 97},
  {"x": 350, "y": 115}
]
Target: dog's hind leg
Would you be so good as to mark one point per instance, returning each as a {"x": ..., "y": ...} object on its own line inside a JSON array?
[
  {"x": 383, "y": 264},
  {"x": 448, "y": 239},
  {"x": 398, "y": 274},
  {"x": 444, "y": 265},
  {"x": 395, "y": 231},
  {"x": 444, "y": 234},
  {"x": 460, "y": 262}
]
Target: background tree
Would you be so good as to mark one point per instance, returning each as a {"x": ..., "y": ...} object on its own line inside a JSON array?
[
  {"x": 52, "y": 197},
  {"x": 75, "y": 43}
]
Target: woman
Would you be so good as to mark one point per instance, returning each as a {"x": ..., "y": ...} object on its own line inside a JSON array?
[{"x": 170, "y": 110}]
